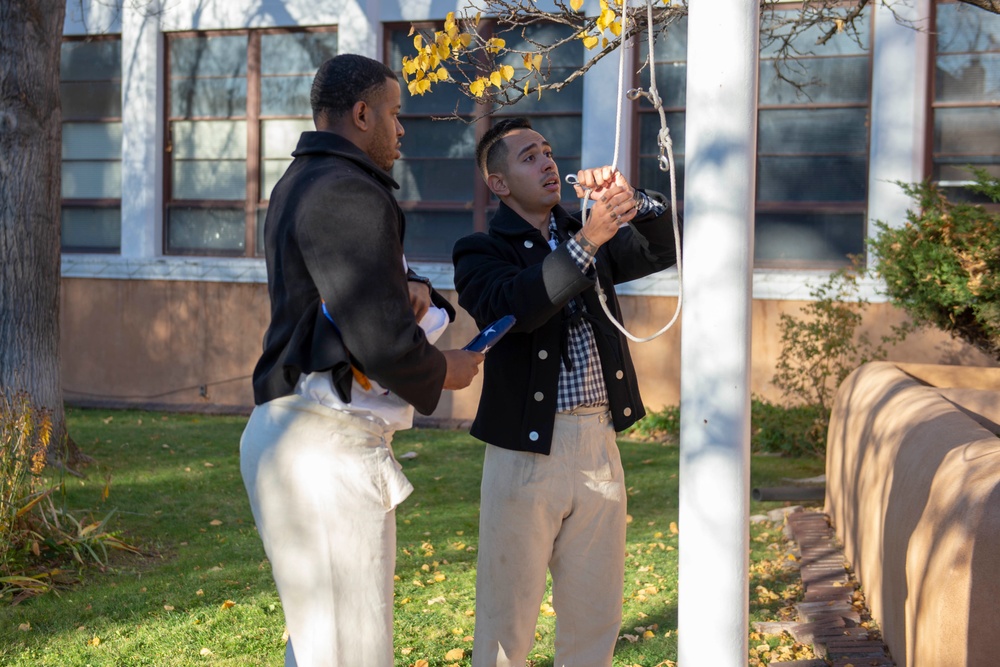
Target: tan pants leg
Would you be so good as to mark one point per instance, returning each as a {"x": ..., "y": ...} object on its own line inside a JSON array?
[
  {"x": 319, "y": 488},
  {"x": 564, "y": 512}
]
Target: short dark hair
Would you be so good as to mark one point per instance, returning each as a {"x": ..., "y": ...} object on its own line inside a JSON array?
[
  {"x": 491, "y": 152},
  {"x": 343, "y": 81}
]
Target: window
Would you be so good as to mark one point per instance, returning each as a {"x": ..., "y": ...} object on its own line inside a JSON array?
[
  {"x": 236, "y": 104},
  {"x": 441, "y": 191},
  {"x": 670, "y": 64},
  {"x": 812, "y": 151},
  {"x": 90, "y": 86},
  {"x": 966, "y": 106},
  {"x": 812, "y": 144}
]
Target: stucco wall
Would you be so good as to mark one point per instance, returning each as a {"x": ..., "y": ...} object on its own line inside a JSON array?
[
  {"x": 161, "y": 342},
  {"x": 913, "y": 491}
]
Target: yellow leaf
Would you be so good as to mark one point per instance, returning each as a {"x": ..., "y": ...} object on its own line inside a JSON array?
[
  {"x": 590, "y": 41},
  {"x": 24, "y": 627},
  {"x": 439, "y": 577},
  {"x": 215, "y": 522},
  {"x": 421, "y": 663},
  {"x": 449, "y": 21},
  {"x": 442, "y": 74},
  {"x": 616, "y": 28},
  {"x": 525, "y": 87},
  {"x": 423, "y": 86},
  {"x": 228, "y": 604},
  {"x": 494, "y": 44},
  {"x": 95, "y": 641},
  {"x": 168, "y": 607},
  {"x": 673, "y": 527},
  {"x": 466, "y": 39},
  {"x": 455, "y": 654},
  {"x": 507, "y": 72},
  {"x": 479, "y": 15},
  {"x": 418, "y": 41},
  {"x": 576, "y": 4},
  {"x": 648, "y": 634},
  {"x": 205, "y": 652},
  {"x": 496, "y": 79},
  {"x": 477, "y": 87}
]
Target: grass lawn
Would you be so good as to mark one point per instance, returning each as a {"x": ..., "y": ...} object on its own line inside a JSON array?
[{"x": 203, "y": 594}]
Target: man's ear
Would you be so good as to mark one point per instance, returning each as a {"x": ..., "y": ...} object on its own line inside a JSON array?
[
  {"x": 497, "y": 185},
  {"x": 361, "y": 115}
]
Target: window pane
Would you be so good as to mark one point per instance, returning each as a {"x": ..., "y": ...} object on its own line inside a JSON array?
[
  {"x": 787, "y": 131},
  {"x": 435, "y": 180},
  {"x": 961, "y": 28},
  {"x": 563, "y": 61},
  {"x": 974, "y": 78},
  {"x": 93, "y": 100},
  {"x": 569, "y": 99},
  {"x": 842, "y": 80},
  {"x": 211, "y": 98},
  {"x": 261, "y": 217},
  {"x": 564, "y": 134},
  {"x": 209, "y": 139},
  {"x": 811, "y": 178},
  {"x": 91, "y": 180},
  {"x": 210, "y": 179},
  {"x": 285, "y": 95},
  {"x": 438, "y": 138},
  {"x": 808, "y": 237},
  {"x": 808, "y": 41},
  {"x": 441, "y": 101},
  {"x": 221, "y": 56},
  {"x": 651, "y": 178},
  {"x": 669, "y": 45},
  {"x": 430, "y": 235},
  {"x": 206, "y": 229},
  {"x": 92, "y": 229},
  {"x": 91, "y": 61},
  {"x": 968, "y": 131},
  {"x": 296, "y": 53},
  {"x": 270, "y": 172},
  {"x": 92, "y": 141},
  {"x": 280, "y": 137},
  {"x": 649, "y": 130}
]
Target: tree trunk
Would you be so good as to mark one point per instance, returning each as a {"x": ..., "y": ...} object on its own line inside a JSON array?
[{"x": 30, "y": 171}]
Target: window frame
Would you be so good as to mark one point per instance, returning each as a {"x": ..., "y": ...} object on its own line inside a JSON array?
[
  {"x": 930, "y": 154},
  {"x": 104, "y": 203},
  {"x": 483, "y": 204},
  {"x": 253, "y": 202}
]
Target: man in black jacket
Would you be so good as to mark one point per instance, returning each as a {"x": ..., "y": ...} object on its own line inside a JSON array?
[
  {"x": 555, "y": 391},
  {"x": 347, "y": 353}
]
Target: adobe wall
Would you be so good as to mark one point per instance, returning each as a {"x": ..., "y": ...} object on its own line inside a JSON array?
[
  {"x": 913, "y": 491},
  {"x": 194, "y": 344}
]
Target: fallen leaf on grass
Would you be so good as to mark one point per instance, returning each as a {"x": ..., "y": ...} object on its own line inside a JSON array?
[
  {"x": 205, "y": 651},
  {"x": 673, "y": 527},
  {"x": 421, "y": 663},
  {"x": 455, "y": 654},
  {"x": 94, "y": 641},
  {"x": 228, "y": 604},
  {"x": 168, "y": 607},
  {"x": 24, "y": 627},
  {"x": 215, "y": 522}
]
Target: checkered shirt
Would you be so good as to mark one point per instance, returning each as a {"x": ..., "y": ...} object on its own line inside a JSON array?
[{"x": 581, "y": 382}]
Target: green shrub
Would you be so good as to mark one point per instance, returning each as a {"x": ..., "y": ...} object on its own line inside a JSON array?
[{"x": 943, "y": 266}]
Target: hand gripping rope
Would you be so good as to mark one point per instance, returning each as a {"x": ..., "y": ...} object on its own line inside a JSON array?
[{"x": 665, "y": 162}]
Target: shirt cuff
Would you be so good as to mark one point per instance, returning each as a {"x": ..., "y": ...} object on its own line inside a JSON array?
[
  {"x": 583, "y": 259},
  {"x": 646, "y": 204}
]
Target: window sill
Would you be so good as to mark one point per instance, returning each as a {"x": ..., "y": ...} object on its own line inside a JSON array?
[{"x": 768, "y": 284}]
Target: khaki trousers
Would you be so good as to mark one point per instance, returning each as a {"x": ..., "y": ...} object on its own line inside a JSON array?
[
  {"x": 323, "y": 487},
  {"x": 564, "y": 512}
]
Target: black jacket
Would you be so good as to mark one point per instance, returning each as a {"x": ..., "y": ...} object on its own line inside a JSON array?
[
  {"x": 334, "y": 232},
  {"x": 511, "y": 270}
]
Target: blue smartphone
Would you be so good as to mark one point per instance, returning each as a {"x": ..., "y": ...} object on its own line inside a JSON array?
[{"x": 488, "y": 337}]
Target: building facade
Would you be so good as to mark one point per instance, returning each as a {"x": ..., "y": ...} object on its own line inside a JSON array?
[{"x": 179, "y": 117}]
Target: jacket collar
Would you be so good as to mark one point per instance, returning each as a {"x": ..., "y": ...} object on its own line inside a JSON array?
[
  {"x": 329, "y": 143},
  {"x": 506, "y": 222}
]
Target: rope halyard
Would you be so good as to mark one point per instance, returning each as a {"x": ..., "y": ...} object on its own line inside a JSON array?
[{"x": 665, "y": 162}]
